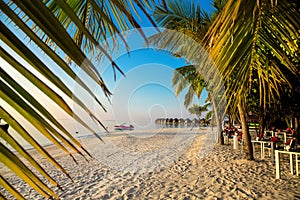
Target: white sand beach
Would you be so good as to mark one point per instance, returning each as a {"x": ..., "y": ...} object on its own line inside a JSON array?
[{"x": 166, "y": 164}]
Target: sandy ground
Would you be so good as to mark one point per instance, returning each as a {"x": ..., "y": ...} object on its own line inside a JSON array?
[{"x": 165, "y": 164}]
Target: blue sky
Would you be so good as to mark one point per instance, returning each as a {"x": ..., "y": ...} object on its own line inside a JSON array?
[
  {"x": 143, "y": 95},
  {"x": 146, "y": 92}
]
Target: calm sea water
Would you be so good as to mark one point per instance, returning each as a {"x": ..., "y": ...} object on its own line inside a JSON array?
[{"x": 78, "y": 131}]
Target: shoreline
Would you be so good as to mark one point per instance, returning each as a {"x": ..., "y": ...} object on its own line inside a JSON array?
[{"x": 113, "y": 133}]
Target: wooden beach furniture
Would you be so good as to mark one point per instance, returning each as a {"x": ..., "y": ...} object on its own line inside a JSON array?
[
  {"x": 283, "y": 136},
  {"x": 263, "y": 147},
  {"x": 268, "y": 134},
  {"x": 294, "y": 159}
]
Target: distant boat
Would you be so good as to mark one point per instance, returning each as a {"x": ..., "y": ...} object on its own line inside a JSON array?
[{"x": 123, "y": 127}]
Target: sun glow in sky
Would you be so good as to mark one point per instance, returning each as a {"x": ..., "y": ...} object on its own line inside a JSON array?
[{"x": 145, "y": 94}]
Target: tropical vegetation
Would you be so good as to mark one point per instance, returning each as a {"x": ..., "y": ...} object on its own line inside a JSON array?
[
  {"x": 198, "y": 109},
  {"x": 252, "y": 65},
  {"x": 254, "y": 46},
  {"x": 188, "y": 19},
  {"x": 66, "y": 32},
  {"x": 189, "y": 76}
]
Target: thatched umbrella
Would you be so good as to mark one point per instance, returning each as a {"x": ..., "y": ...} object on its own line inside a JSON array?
[
  {"x": 175, "y": 121},
  {"x": 187, "y": 121}
]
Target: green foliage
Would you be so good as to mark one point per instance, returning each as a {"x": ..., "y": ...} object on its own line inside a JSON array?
[
  {"x": 71, "y": 28},
  {"x": 251, "y": 43},
  {"x": 254, "y": 45},
  {"x": 197, "y": 109},
  {"x": 188, "y": 76}
]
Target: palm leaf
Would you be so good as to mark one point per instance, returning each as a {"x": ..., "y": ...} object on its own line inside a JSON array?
[
  {"x": 47, "y": 90},
  {"x": 37, "y": 105},
  {"x": 24, "y": 134},
  {"x": 37, "y": 11},
  {"x": 244, "y": 42},
  {"x": 188, "y": 76},
  {"x": 14, "y": 144},
  {"x": 72, "y": 15},
  {"x": 46, "y": 48},
  {"x": 73, "y": 27},
  {"x": 17, "y": 166},
  {"x": 34, "y": 118},
  {"x": 10, "y": 188}
]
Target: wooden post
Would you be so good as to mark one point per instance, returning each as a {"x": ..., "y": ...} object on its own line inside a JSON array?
[
  {"x": 253, "y": 147},
  {"x": 297, "y": 165},
  {"x": 284, "y": 138},
  {"x": 235, "y": 142},
  {"x": 277, "y": 161},
  {"x": 272, "y": 152},
  {"x": 262, "y": 150},
  {"x": 291, "y": 164}
]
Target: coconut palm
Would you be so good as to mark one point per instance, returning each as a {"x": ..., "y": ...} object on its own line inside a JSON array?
[
  {"x": 188, "y": 19},
  {"x": 59, "y": 29},
  {"x": 255, "y": 44},
  {"x": 251, "y": 43},
  {"x": 197, "y": 109},
  {"x": 189, "y": 76}
]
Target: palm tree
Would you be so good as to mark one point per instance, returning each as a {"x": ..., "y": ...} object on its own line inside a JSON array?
[
  {"x": 255, "y": 43},
  {"x": 198, "y": 110},
  {"x": 251, "y": 43},
  {"x": 70, "y": 28},
  {"x": 189, "y": 76},
  {"x": 187, "y": 18}
]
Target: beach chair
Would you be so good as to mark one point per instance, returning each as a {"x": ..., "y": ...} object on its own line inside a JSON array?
[
  {"x": 290, "y": 145},
  {"x": 268, "y": 147},
  {"x": 268, "y": 134}
]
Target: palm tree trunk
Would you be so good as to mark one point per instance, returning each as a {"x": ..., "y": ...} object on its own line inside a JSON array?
[
  {"x": 246, "y": 134},
  {"x": 262, "y": 122},
  {"x": 219, "y": 123},
  {"x": 230, "y": 120}
]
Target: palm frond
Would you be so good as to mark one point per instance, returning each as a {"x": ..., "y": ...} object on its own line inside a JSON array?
[
  {"x": 60, "y": 29},
  {"x": 188, "y": 76},
  {"x": 254, "y": 40},
  {"x": 17, "y": 166},
  {"x": 185, "y": 17},
  {"x": 24, "y": 134},
  {"x": 14, "y": 144},
  {"x": 58, "y": 60},
  {"x": 6, "y": 185}
]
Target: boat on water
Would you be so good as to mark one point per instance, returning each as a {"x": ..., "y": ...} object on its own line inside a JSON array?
[{"x": 123, "y": 127}]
